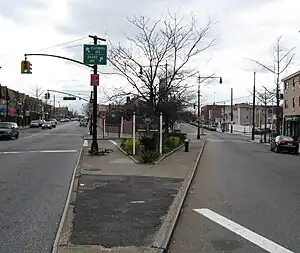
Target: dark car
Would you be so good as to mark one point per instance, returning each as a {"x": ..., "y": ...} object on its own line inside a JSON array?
[
  {"x": 9, "y": 130},
  {"x": 284, "y": 143}
]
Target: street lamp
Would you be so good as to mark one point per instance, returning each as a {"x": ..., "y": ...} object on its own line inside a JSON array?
[{"x": 199, "y": 102}]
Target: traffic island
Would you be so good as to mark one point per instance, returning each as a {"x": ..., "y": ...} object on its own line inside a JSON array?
[{"x": 120, "y": 206}]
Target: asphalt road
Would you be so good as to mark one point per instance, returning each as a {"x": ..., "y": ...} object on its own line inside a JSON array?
[
  {"x": 245, "y": 183},
  {"x": 35, "y": 171}
]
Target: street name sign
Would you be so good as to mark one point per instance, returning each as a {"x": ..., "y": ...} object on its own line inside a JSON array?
[{"x": 95, "y": 54}]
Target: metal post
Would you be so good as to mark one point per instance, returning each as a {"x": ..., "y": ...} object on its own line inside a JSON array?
[
  {"x": 94, "y": 147},
  {"x": 90, "y": 114},
  {"x": 133, "y": 134},
  {"x": 160, "y": 133},
  {"x": 121, "y": 127},
  {"x": 198, "y": 120},
  {"x": 265, "y": 132},
  {"x": 231, "y": 109},
  {"x": 253, "y": 109},
  {"x": 54, "y": 106},
  {"x": 103, "y": 128}
]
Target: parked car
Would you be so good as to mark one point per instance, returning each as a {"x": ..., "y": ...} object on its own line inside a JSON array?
[
  {"x": 41, "y": 122},
  {"x": 284, "y": 143},
  {"x": 53, "y": 123},
  {"x": 9, "y": 130},
  {"x": 47, "y": 125},
  {"x": 35, "y": 123},
  {"x": 83, "y": 123}
]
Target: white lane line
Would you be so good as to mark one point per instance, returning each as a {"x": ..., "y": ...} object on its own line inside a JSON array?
[
  {"x": 85, "y": 143},
  {"x": 38, "y": 151},
  {"x": 113, "y": 142},
  {"x": 249, "y": 235}
]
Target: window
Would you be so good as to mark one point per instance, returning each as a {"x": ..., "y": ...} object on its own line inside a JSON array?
[
  {"x": 299, "y": 101},
  {"x": 285, "y": 85},
  {"x": 293, "y": 102},
  {"x": 293, "y": 82},
  {"x": 285, "y": 104}
]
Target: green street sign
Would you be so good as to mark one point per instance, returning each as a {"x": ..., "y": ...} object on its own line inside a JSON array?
[
  {"x": 69, "y": 98},
  {"x": 95, "y": 54}
]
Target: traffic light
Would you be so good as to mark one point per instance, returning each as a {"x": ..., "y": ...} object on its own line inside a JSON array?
[
  {"x": 26, "y": 67},
  {"x": 47, "y": 95},
  {"x": 69, "y": 98}
]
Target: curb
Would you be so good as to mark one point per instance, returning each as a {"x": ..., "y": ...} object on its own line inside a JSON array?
[
  {"x": 56, "y": 245},
  {"x": 130, "y": 156},
  {"x": 168, "y": 154},
  {"x": 165, "y": 232}
]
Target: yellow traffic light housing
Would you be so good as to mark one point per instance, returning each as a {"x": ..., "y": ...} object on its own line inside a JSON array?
[{"x": 26, "y": 67}]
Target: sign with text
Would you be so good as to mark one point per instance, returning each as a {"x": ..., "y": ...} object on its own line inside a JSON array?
[
  {"x": 94, "y": 79},
  {"x": 95, "y": 54},
  {"x": 146, "y": 124}
]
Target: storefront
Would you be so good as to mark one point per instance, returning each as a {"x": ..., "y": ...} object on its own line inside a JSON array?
[{"x": 292, "y": 126}]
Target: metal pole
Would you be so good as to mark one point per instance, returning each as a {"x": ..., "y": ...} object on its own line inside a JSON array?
[
  {"x": 90, "y": 114},
  {"x": 160, "y": 133},
  {"x": 198, "y": 120},
  {"x": 265, "y": 132},
  {"x": 231, "y": 109},
  {"x": 54, "y": 106},
  {"x": 94, "y": 147},
  {"x": 133, "y": 134},
  {"x": 121, "y": 127},
  {"x": 253, "y": 109}
]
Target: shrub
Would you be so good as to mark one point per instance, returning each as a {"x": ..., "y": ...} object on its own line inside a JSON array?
[
  {"x": 181, "y": 136},
  {"x": 149, "y": 156},
  {"x": 172, "y": 142},
  {"x": 128, "y": 144},
  {"x": 149, "y": 143}
]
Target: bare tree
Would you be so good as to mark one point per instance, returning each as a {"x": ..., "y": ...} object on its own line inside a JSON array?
[
  {"x": 282, "y": 58},
  {"x": 156, "y": 67}
]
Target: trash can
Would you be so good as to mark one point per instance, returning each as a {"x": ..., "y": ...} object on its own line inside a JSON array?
[{"x": 186, "y": 145}]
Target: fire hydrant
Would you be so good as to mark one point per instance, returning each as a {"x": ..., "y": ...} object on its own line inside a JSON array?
[{"x": 186, "y": 145}]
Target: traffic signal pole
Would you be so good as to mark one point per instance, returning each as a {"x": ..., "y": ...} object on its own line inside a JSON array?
[{"x": 94, "y": 147}]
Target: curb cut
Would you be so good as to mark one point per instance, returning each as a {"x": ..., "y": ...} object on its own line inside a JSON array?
[
  {"x": 165, "y": 232},
  {"x": 56, "y": 245}
]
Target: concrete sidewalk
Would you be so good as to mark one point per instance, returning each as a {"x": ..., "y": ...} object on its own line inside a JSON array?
[{"x": 119, "y": 205}]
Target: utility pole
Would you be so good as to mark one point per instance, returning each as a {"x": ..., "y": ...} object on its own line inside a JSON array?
[
  {"x": 94, "y": 146},
  {"x": 198, "y": 120},
  {"x": 265, "y": 131},
  {"x": 231, "y": 111},
  {"x": 253, "y": 109}
]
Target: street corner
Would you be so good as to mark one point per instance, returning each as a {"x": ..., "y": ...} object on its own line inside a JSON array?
[{"x": 121, "y": 211}]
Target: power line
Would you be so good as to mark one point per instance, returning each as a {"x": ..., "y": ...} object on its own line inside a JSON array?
[
  {"x": 237, "y": 98},
  {"x": 60, "y": 44}
]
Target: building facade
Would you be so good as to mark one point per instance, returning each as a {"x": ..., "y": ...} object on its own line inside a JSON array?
[{"x": 291, "y": 105}]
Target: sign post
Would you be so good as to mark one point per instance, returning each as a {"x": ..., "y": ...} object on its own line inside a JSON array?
[
  {"x": 133, "y": 134},
  {"x": 160, "y": 133}
]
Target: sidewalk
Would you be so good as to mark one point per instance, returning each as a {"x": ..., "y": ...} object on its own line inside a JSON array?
[{"x": 120, "y": 205}]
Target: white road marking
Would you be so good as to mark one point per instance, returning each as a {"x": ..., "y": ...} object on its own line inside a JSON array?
[
  {"x": 85, "y": 143},
  {"x": 37, "y": 151},
  {"x": 249, "y": 235},
  {"x": 138, "y": 202},
  {"x": 113, "y": 142}
]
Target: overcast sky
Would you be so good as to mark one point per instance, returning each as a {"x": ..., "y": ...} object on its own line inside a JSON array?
[{"x": 244, "y": 29}]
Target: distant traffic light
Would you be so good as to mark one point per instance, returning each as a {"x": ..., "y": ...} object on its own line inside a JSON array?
[
  {"x": 26, "y": 67},
  {"x": 69, "y": 98},
  {"x": 47, "y": 95}
]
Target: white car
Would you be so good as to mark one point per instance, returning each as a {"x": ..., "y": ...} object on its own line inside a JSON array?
[{"x": 35, "y": 123}]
